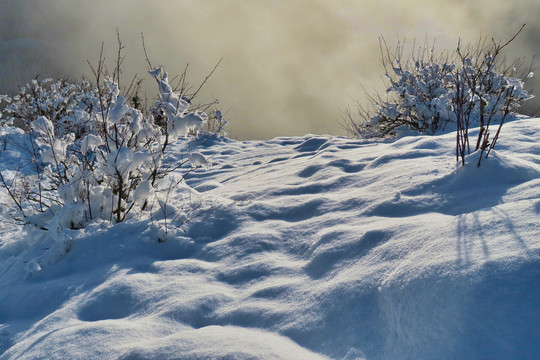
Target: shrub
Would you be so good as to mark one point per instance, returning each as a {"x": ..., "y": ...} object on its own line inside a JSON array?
[
  {"x": 60, "y": 101},
  {"x": 431, "y": 92},
  {"x": 92, "y": 155},
  {"x": 419, "y": 95},
  {"x": 484, "y": 90}
]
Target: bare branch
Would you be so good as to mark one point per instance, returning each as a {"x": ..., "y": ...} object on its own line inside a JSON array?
[
  {"x": 150, "y": 67},
  {"x": 205, "y": 80}
]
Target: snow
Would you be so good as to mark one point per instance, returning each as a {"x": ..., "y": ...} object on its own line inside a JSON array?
[
  {"x": 198, "y": 160},
  {"x": 313, "y": 247}
]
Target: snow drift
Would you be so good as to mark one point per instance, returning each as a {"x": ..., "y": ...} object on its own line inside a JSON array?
[{"x": 315, "y": 247}]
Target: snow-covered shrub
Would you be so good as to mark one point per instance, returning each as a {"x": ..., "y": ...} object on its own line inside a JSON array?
[
  {"x": 61, "y": 102},
  {"x": 431, "y": 92},
  {"x": 420, "y": 97},
  {"x": 175, "y": 119},
  {"x": 216, "y": 123},
  {"x": 92, "y": 155},
  {"x": 485, "y": 91}
]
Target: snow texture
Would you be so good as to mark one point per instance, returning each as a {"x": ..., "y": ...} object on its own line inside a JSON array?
[{"x": 314, "y": 247}]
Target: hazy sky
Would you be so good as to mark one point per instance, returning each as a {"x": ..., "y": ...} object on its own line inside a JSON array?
[{"x": 289, "y": 66}]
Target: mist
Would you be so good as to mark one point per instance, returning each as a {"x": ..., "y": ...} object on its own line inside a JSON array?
[{"x": 290, "y": 67}]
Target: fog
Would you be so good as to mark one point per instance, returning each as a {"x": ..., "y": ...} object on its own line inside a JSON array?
[{"x": 290, "y": 67}]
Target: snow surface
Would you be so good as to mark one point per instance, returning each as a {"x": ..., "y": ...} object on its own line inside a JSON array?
[{"x": 313, "y": 247}]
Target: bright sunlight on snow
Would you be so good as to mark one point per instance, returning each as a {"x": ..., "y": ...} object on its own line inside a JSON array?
[{"x": 311, "y": 247}]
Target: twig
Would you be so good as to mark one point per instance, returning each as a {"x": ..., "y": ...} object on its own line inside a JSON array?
[
  {"x": 205, "y": 80},
  {"x": 150, "y": 67}
]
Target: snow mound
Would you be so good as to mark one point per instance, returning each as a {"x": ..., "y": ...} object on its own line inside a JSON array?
[{"x": 315, "y": 247}]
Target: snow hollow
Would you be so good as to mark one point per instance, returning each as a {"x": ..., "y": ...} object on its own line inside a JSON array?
[{"x": 312, "y": 247}]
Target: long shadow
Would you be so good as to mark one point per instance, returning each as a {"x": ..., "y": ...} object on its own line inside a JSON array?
[
  {"x": 509, "y": 225},
  {"x": 470, "y": 229},
  {"x": 465, "y": 190}
]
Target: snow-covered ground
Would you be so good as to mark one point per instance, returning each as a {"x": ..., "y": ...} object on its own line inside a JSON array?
[{"x": 314, "y": 247}]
